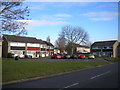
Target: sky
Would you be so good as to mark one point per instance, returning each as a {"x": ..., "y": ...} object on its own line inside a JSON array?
[{"x": 99, "y": 19}]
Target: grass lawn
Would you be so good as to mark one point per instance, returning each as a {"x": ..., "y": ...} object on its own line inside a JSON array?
[
  {"x": 17, "y": 70},
  {"x": 111, "y": 59}
]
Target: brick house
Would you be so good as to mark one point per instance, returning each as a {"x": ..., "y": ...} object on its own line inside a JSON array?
[
  {"x": 105, "y": 48},
  {"x": 21, "y": 46}
]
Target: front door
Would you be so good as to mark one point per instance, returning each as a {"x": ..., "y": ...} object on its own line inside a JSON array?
[{"x": 37, "y": 54}]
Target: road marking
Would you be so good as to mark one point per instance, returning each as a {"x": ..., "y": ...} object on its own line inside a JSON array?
[
  {"x": 100, "y": 75},
  {"x": 71, "y": 85}
]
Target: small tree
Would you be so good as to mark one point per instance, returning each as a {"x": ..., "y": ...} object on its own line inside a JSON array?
[
  {"x": 10, "y": 14},
  {"x": 74, "y": 35}
]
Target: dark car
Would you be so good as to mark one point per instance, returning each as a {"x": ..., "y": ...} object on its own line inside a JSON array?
[
  {"x": 56, "y": 56},
  {"x": 74, "y": 56}
]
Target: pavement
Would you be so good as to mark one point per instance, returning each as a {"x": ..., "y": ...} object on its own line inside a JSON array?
[{"x": 99, "y": 77}]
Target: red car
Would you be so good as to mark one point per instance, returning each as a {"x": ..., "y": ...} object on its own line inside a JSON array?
[
  {"x": 81, "y": 56},
  {"x": 56, "y": 56}
]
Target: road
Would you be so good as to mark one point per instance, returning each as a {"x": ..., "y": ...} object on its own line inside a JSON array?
[
  {"x": 77, "y": 60},
  {"x": 99, "y": 77}
]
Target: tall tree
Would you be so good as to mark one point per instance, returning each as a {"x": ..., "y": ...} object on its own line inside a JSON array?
[
  {"x": 10, "y": 15},
  {"x": 74, "y": 35},
  {"x": 61, "y": 43}
]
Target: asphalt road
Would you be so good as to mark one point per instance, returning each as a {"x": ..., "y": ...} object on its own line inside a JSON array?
[
  {"x": 99, "y": 77},
  {"x": 77, "y": 60}
]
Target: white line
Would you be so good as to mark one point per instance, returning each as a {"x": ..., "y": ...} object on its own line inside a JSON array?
[
  {"x": 71, "y": 85},
  {"x": 100, "y": 75}
]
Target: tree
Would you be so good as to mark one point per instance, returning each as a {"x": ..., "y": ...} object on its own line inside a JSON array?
[
  {"x": 48, "y": 39},
  {"x": 74, "y": 35},
  {"x": 61, "y": 43},
  {"x": 10, "y": 14},
  {"x": 70, "y": 47}
]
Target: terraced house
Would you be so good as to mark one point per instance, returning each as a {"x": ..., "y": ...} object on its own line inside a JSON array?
[
  {"x": 25, "y": 46},
  {"x": 105, "y": 48}
]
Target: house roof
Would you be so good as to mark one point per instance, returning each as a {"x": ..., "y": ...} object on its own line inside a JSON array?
[
  {"x": 41, "y": 41},
  {"x": 78, "y": 45},
  {"x": 45, "y": 42},
  {"x": 48, "y": 43},
  {"x": 104, "y": 43},
  {"x": 15, "y": 38}
]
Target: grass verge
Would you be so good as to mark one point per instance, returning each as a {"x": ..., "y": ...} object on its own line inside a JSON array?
[
  {"x": 111, "y": 59},
  {"x": 18, "y": 70}
]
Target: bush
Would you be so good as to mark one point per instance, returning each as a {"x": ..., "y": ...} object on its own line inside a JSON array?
[{"x": 10, "y": 55}]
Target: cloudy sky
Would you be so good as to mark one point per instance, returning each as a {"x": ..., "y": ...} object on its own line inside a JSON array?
[{"x": 99, "y": 19}]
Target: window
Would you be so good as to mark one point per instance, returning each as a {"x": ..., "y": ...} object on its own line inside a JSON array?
[
  {"x": 14, "y": 52},
  {"x": 95, "y": 48},
  {"x": 30, "y": 52},
  {"x": 103, "y": 53},
  {"x": 43, "y": 49},
  {"x": 105, "y": 47}
]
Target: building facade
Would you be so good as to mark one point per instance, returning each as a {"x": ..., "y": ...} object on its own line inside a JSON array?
[
  {"x": 105, "y": 48},
  {"x": 83, "y": 49},
  {"x": 56, "y": 51},
  {"x": 24, "y": 46},
  {"x": 119, "y": 50}
]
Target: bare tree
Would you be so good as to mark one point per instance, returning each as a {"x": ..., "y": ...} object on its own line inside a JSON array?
[
  {"x": 10, "y": 14},
  {"x": 48, "y": 39},
  {"x": 61, "y": 43},
  {"x": 74, "y": 35}
]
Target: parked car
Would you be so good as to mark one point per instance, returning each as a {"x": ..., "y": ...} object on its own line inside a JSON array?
[
  {"x": 82, "y": 56},
  {"x": 10, "y": 55},
  {"x": 56, "y": 56},
  {"x": 74, "y": 56},
  {"x": 66, "y": 56},
  {"x": 28, "y": 56},
  {"x": 91, "y": 56}
]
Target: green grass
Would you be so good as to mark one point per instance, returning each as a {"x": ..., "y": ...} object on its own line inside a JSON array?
[
  {"x": 111, "y": 59},
  {"x": 17, "y": 70}
]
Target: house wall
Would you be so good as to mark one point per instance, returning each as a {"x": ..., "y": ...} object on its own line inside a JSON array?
[
  {"x": 115, "y": 49},
  {"x": 43, "y": 50},
  {"x": 83, "y": 49},
  {"x": 102, "y": 51},
  {"x": 109, "y": 51},
  {"x": 16, "y": 48},
  {"x": 33, "y": 49},
  {"x": 56, "y": 51},
  {"x": 119, "y": 50}
]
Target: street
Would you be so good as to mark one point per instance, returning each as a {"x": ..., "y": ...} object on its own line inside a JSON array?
[
  {"x": 99, "y": 77},
  {"x": 77, "y": 60}
]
